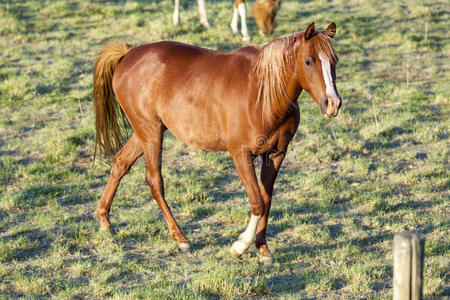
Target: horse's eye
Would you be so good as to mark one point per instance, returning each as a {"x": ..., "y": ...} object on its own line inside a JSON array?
[{"x": 308, "y": 62}]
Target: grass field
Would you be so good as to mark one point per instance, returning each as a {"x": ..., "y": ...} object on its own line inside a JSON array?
[{"x": 346, "y": 187}]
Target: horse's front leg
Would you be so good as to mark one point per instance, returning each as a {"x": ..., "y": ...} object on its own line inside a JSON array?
[
  {"x": 203, "y": 15},
  {"x": 271, "y": 163},
  {"x": 246, "y": 171}
]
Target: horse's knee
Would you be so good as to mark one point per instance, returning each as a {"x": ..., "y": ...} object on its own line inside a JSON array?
[{"x": 258, "y": 208}]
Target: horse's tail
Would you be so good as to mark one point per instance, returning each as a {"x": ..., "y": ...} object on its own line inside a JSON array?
[{"x": 109, "y": 117}]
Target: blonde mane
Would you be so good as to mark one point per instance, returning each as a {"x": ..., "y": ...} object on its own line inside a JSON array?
[{"x": 276, "y": 63}]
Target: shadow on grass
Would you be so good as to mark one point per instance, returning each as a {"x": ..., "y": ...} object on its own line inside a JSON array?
[
  {"x": 43, "y": 194},
  {"x": 285, "y": 254},
  {"x": 30, "y": 244}
]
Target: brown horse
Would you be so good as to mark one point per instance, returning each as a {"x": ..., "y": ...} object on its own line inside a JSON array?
[
  {"x": 264, "y": 12},
  {"x": 243, "y": 102}
]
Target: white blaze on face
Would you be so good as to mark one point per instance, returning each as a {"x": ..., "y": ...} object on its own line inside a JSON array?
[{"x": 326, "y": 70}]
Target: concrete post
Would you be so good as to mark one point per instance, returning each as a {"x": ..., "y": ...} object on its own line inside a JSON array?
[{"x": 408, "y": 266}]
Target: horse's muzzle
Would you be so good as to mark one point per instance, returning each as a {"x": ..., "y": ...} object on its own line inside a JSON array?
[{"x": 330, "y": 106}]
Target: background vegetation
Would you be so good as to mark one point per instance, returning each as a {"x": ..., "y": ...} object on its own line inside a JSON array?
[{"x": 346, "y": 187}]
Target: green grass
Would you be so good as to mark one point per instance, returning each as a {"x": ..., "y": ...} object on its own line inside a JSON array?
[{"x": 346, "y": 187}]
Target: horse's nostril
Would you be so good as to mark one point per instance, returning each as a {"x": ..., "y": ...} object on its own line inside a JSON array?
[{"x": 326, "y": 102}]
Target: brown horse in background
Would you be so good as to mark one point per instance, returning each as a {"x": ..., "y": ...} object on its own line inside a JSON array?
[
  {"x": 243, "y": 102},
  {"x": 264, "y": 12}
]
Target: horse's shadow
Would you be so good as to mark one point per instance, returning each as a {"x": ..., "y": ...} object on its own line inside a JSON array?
[{"x": 37, "y": 241}]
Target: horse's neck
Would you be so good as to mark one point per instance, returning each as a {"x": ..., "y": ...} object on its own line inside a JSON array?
[
  {"x": 293, "y": 90},
  {"x": 277, "y": 83}
]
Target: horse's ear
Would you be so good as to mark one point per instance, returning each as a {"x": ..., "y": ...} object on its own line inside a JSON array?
[
  {"x": 331, "y": 30},
  {"x": 310, "y": 30}
]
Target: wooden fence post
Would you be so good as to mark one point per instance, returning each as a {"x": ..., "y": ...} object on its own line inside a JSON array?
[{"x": 408, "y": 266}]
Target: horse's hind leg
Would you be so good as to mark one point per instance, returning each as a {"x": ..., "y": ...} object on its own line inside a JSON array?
[
  {"x": 243, "y": 13},
  {"x": 234, "y": 20},
  {"x": 123, "y": 161},
  {"x": 152, "y": 154}
]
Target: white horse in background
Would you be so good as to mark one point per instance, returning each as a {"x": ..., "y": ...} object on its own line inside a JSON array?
[{"x": 239, "y": 10}]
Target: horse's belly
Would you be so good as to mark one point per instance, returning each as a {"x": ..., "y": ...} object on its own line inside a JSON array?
[{"x": 200, "y": 129}]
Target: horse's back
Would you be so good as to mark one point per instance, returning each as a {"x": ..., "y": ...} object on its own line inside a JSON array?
[{"x": 167, "y": 64}]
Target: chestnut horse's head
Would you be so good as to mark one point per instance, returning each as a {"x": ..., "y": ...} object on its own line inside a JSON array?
[{"x": 316, "y": 61}]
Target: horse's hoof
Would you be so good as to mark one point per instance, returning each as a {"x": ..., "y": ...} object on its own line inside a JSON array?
[
  {"x": 238, "y": 248},
  {"x": 107, "y": 229},
  {"x": 234, "y": 253},
  {"x": 185, "y": 247},
  {"x": 246, "y": 38},
  {"x": 205, "y": 24},
  {"x": 267, "y": 260}
]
